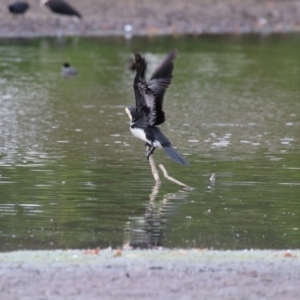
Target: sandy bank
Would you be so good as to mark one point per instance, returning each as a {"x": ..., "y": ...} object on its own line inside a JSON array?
[
  {"x": 102, "y": 17},
  {"x": 150, "y": 274}
]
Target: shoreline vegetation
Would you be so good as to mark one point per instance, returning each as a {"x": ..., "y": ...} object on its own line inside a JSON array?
[{"x": 149, "y": 18}]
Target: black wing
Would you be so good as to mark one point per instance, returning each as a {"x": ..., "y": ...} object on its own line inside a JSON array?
[
  {"x": 150, "y": 96},
  {"x": 157, "y": 86},
  {"x": 140, "y": 84}
]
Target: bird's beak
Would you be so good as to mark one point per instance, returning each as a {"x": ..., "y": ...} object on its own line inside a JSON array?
[{"x": 128, "y": 113}]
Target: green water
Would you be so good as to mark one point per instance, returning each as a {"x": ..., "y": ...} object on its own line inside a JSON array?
[{"x": 73, "y": 176}]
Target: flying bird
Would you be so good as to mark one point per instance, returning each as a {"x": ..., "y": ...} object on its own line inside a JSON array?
[
  {"x": 147, "y": 113},
  {"x": 67, "y": 71},
  {"x": 18, "y": 8},
  {"x": 61, "y": 7}
]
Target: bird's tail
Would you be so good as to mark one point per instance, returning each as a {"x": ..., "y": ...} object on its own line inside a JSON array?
[{"x": 175, "y": 155}]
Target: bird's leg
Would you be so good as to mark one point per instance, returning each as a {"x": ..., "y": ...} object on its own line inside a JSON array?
[{"x": 150, "y": 151}]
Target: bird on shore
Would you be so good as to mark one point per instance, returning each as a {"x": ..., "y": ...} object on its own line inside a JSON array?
[
  {"x": 61, "y": 7},
  {"x": 67, "y": 71},
  {"x": 147, "y": 113},
  {"x": 18, "y": 8}
]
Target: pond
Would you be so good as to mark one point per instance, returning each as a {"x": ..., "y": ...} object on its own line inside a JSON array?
[{"x": 73, "y": 176}]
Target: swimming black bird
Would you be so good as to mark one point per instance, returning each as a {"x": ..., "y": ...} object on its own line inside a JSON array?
[
  {"x": 148, "y": 113},
  {"x": 18, "y": 8},
  {"x": 67, "y": 71},
  {"x": 61, "y": 7}
]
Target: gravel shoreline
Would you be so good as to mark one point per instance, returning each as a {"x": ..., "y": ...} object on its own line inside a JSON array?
[
  {"x": 173, "y": 17},
  {"x": 150, "y": 274}
]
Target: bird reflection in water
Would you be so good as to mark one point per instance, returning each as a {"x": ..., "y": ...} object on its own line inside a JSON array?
[{"x": 147, "y": 231}]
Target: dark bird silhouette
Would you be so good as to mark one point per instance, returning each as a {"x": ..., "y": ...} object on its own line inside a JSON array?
[
  {"x": 18, "y": 8},
  {"x": 67, "y": 71},
  {"x": 61, "y": 7},
  {"x": 147, "y": 113}
]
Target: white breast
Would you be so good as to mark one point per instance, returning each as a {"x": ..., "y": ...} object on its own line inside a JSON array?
[{"x": 140, "y": 134}]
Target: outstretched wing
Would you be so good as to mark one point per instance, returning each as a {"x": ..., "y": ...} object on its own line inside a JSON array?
[
  {"x": 149, "y": 97},
  {"x": 157, "y": 86},
  {"x": 140, "y": 84}
]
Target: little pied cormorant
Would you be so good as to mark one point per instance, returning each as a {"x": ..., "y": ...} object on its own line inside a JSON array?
[
  {"x": 148, "y": 112},
  {"x": 67, "y": 71}
]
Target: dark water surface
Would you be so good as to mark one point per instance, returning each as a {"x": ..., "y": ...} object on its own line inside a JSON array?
[{"x": 73, "y": 176}]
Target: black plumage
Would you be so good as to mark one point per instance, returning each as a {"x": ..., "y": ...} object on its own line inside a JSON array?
[
  {"x": 61, "y": 7},
  {"x": 148, "y": 112},
  {"x": 18, "y": 8}
]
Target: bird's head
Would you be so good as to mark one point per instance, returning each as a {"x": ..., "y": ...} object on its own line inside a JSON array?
[
  {"x": 131, "y": 113},
  {"x": 66, "y": 65}
]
